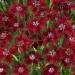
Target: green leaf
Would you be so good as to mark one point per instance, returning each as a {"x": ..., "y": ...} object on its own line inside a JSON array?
[
  {"x": 40, "y": 49},
  {"x": 1, "y": 6},
  {"x": 66, "y": 71},
  {"x": 35, "y": 70},
  {"x": 60, "y": 42},
  {"x": 48, "y": 24},
  {"x": 9, "y": 2},
  {"x": 48, "y": 2},
  {"x": 23, "y": 1}
]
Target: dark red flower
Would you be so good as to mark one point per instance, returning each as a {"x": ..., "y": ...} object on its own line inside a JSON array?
[
  {"x": 51, "y": 69},
  {"x": 4, "y": 54},
  {"x": 32, "y": 57},
  {"x": 71, "y": 40},
  {"x": 36, "y": 24},
  {"x": 6, "y": 17},
  {"x": 57, "y": 1},
  {"x": 66, "y": 51},
  {"x": 70, "y": 4},
  {"x": 51, "y": 55},
  {"x": 4, "y": 43},
  {"x": 63, "y": 27},
  {"x": 43, "y": 11},
  {"x": 3, "y": 69},
  {"x": 5, "y": 36},
  {"x": 15, "y": 25},
  {"x": 18, "y": 8},
  {"x": 20, "y": 69},
  {"x": 23, "y": 42},
  {"x": 35, "y": 3},
  {"x": 67, "y": 61},
  {"x": 51, "y": 36}
]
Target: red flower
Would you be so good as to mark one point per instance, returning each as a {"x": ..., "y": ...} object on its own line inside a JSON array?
[
  {"x": 66, "y": 51},
  {"x": 23, "y": 42},
  {"x": 51, "y": 36},
  {"x": 3, "y": 69},
  {"x": 36, "y": 24},
  {"x": 32, "y": 57},
  {"x": 63, "y": 27},
  {"x": 6, "y": 17},
  {"x": 51, "y": 70},
  {"x": 4, "y": 54},
  {"x": 51, "y": 55},
  {"x": 43, "y": 11},
  {"x": 18, "y": 8},
  {"x": 71, "y": 40},
  {"x": 5, "y": 36},
  {"x": 4, "y": 43},
  {"x": 57, "y": 1},
  {"x": 70, "y": 4},
  {"x": 35, "y": 3},
  {"x": 67, "y": 61},
  {"x": 15, "y": 25},
  {"x": 20, "y": 69},
  {"x": 4, "y": 39}
]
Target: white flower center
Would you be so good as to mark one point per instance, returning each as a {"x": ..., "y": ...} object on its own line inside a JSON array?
[
  {"x": 51, "y": 35},
  {"x": 42, "y": 14},
  {"x": 35, "y": 23},
  {"x": 67, "y": 60},
  {"x": 61, "y": 27},
  {"x": 20, "y": 43},
  {"x": 3, "y": 35},
  {"x": 72, "y": 39},
  {"x": 51, "y": 70},
  {"x": 73, "y": 27},
  {"x": 16, "y": 24},
  {"x": 21, "y": 70},
  {"x": 5, "y": 18},
  {"x": 32, "y": 57},
  {"x": 36, "y": 3},
  {"x": 69, "y": 51},
  {"x": 52, "y": 53},
  {"x": 18, "y": 8},
  {"x": 1, "y": 70}
]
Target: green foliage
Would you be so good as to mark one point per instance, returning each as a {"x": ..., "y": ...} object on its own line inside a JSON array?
[
  {"x": 48, "y": 2},
  {"x": 35, "y": 70},
  {"x": 60, "y": 42},
  {"x": 23, "y": 1},
  {"x": 49, "y": 24},
  {"x": 73, "y": 15},
  {"x": 65, "y": 71}
]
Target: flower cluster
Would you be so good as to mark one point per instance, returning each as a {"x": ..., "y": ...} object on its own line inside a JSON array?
[{"x": 37, "y": 33}]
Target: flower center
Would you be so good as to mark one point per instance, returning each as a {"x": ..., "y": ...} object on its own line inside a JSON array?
[
  {"x": 61, "y": 27},
  {"x": 16, "y": 24},
  {"x": 73, "y": 27},
  {"x": 21, "y": 70},
  {"x": 5, "y": 18},
  {"x": 35, "y": 23},
  {"x": 51, "y": 70},
  {"x": 67, "y": 60},
  {"x": 18, "y": 8},
  {"x": 36, "y": 3},
  {"x": 32, "y": 57},
  {"x": 1, "y": 70},
  {"x": 20, "y": 43},
  {"x": 52, "y": 53},
  {"x": 69, "y": 51},
  {"x": 72, "y": 39},
  {"x": 51, "y": 35},
  {"x": 3, "y": 35}
]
